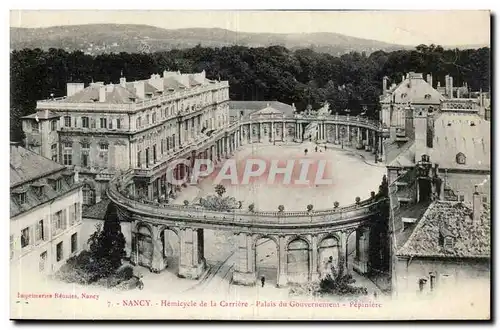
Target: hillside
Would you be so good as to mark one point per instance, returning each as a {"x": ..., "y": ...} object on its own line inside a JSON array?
[{"x": 105, "y": 38}]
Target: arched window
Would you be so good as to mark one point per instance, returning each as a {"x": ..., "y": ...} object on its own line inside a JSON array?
[
  {"x": 460, "y": 158},
  {"x": 88, "y": 195}
]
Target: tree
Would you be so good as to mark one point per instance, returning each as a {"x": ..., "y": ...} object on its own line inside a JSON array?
[
  {"x": 281, "y": 208},
  {"x": 383, "y": 189},
  {"x": 340, "y": 284},
  {"x": 310, "y": 207},
  {"x": 107, "y": 246},
  {"x": 220, "y": 190}
]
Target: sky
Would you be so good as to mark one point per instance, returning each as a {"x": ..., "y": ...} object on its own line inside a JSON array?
[{"x": 397, "y": 27}]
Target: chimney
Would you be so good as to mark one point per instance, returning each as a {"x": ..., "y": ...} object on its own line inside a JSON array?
[
  {"x": 420, "y": 122},
  {"x": 123, "y": 81},
  {"x": 384, "y": 84},
  {"x": 451, "y": 87},
  {"x": 102, "y": 93},
  {"x": 477, "y": 207},
  {"x": 15, "y": 158},
  {"x": 73, "y": 88},
  {"x": 429, "y": 79},
  {"x": 447, "y": 85},
  {"x": 402, "y": 77},
  {"x": 139, "y": 89}
]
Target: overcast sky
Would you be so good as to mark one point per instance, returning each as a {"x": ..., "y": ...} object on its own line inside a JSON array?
[{"x": 398, "y": 27}]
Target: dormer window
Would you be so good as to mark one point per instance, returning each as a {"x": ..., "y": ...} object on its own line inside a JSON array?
[
  {"x": 21, "y": 198},
  {"x": 472, "y": 123},
  {"x": 427, "y": 96},
  {"x": 404, "y": 95},
  {"x": 460, "y": 158},
  {"x": 38, "y": 188},
  {"x": 448, "y": 242}
]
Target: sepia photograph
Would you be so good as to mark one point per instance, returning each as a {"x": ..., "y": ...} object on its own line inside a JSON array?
[{"x": 250, "y": 165}]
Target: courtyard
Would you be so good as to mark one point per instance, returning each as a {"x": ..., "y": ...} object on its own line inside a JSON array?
[{"x": 351, "y": 173}]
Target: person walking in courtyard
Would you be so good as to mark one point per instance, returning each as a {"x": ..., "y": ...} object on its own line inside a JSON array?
[
  {"x": 263, "y": 280},
  {"x": 316, "y": 149},
  {"x": 325, "y": 147},
  {"x": 305, "y": 152}
]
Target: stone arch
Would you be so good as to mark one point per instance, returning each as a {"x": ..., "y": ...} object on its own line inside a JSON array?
[
  {"x": 266, "y": 264},
  {"x": 298, "y": 237},
  {"x": 329, "y": 246},
  {"x": 162, "y": 228},
  {"x": 298, "y": 259}
]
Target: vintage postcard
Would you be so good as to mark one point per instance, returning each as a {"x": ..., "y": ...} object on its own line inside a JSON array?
[{"x": 250, "y": 165}]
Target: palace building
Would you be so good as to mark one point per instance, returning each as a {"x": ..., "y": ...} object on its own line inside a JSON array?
[
  {"x": 104, "y": 129},
  {"x": 45, "y": 213}
]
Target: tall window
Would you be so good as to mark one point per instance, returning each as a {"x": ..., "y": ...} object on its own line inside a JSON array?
[
  {"x": 147, "y": 119},
  {"x": 138, "y": 159},
  {"x": 59, "y": 221},
  {"x": 103, "y": 154},
  {"x": 103, "y": 123},
  {"x": 53, "y": 150},
  {"x": 68, "y": 153},
  {"x": 74, "y": 243},
  {"x": 25, "y": 237},
  {"x": 154, "y": 118},
  {"x": 21, "y": 197},
  {"x": 111, "y": 124},
  {"x": 59, "y": 251},
  {"x": 138, "y": 122},
  {"x": 39, "y": 234},
  {"x": 53, "y": 125},
  {"x": 43, "y": 261},
  {"x": 85, "y": 122},
  {"x": 85, "y": 153},
  {"x": 88, "y": 195},
  {"x": 67, "y": 121},
  {"x": 118, "y": 123}
]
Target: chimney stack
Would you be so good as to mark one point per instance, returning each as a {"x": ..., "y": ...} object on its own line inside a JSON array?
[
  {"x": 384, "y": 84},
  {"x": 451, "y": 87},
  {"x": 429, "y": 79},
  {"x": 420, "y": 126},
  {"x": 123, "y": 81},
  {"x": 477, "y": 207},
  {"x": 102, "y": 93}
]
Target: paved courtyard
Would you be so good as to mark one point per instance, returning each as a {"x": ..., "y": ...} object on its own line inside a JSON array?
[{"x": 352, "y": 173}]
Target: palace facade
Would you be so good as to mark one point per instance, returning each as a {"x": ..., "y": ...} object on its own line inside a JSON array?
[{"x": 104, "y": 129}]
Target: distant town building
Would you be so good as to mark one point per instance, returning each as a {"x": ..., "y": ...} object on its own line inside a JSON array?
[
  {"x": 45, "y": 213},
  {"x": 100, "y": 130}
]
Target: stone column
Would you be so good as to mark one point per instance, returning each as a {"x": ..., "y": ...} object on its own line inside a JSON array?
[
  {"x": 192, "y": 262},
  {"x": 158, "y": 261},
  {"x": 343, "y": 249},
  {"x": 364, "y": 250},
  {"x": 336, "y": 133},
  {"x": 272, "y": 131},
  {"x": 380, "y": 147},
  {"x": 283, "y": 133},
  {"x": 348, "y": 133},
  {"x": 313, "y": 259},
  {"x": 134, "y": 254},
  {"x": 282, "y": 271},
  {"x": 244, "y": 272},
  {"x": 359, "y": 134},
  {"x": 150, "y": 191}
]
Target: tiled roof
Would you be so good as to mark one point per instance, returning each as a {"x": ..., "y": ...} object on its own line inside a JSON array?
[
  {"x": 414, "y": 89},
  {"x": 26, "y": 165},
  {"x": 116, "y": 94},
  {"x": 34, "y": 199},
  {"x": 42, "y": 114},
  {"x": 96, "y": 211},
  {"x": 453, "y": 219},
  {"x": 454, "y": 134}
]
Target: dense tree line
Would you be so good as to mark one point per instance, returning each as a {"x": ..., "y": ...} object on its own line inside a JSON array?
[{"x": 304, "y": 77}]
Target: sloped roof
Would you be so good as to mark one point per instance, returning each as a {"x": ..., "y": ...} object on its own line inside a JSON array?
[
  {"x": 249, "y": 107},
  {"x": 406, "y": 156},
  {"x": 117, "y": 94},
  {"x": 470, "y": 241},
  {"x": 42, "y": 114},
  {"x": 96, "y": 211},
  {"x": 267, "y": 111},
  {"x": 26, "y": 165},
  {"x": 454, "y": 134},
  {"x": 414, "y": 89}
]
